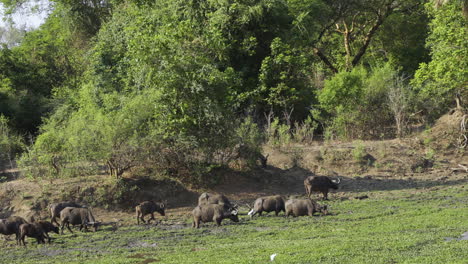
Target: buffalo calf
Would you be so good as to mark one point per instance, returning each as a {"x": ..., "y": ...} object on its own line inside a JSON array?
[
  {"x": 48, "y": 227},
  {"x": 149, "y": 207},
  {"x": 31, "y": 230}
]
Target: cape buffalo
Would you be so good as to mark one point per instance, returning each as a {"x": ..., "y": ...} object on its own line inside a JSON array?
[
  {"x": 11, "y": 226},
  {"x": 320, "y": 184},
  {"x": 301, "y": 207},
  {"x": 268, "y": 204},
  {"x": 47, "y": 227},
  {"x": 209, "y": 198},
  {"x": 149, "y": 207},
  {"x": 77, "y": 216},
  {"x": 31, "y": 230},
  {"x": 213, "y": 213},
  {"x": 56, "y": 208}
]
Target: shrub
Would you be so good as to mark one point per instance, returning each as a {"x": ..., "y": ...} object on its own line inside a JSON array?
[{"x": 11, "y": 143}]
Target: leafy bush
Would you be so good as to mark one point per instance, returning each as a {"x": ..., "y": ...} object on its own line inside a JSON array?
[
  {"x": 364, "y": 104},
  {"x": 304, "y": 133},
  {"x": 11, "y": 144},
  {"x": 359, "y": 151}
]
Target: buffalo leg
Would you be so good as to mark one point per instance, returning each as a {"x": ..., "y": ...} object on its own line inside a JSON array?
[
  {"x": 218, "y": 221},
  {"x": 196, "y": 222},
  {"x": 325, "y": 195},
  {"x": 54, "y": 220},
  {"x": 152, "y": 218},
  {"x": 143, "y": 219},
  {"x": 17, "y": 236},
  {"x": 68, "y": 227},
  {"x": 45, "y": 235}
]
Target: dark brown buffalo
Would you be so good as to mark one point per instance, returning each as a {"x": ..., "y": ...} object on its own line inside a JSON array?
[
  {"x": 213, "y": 213},
  {"x": 210, "y": 198},
  {"x": 47, "y": 227},
  {"x": 268, "y": 204},
  {"x": 10, "y": 226},
  {"x": 149, "y": 207},
  {"x": 31, "y": 230},
  {"x": 301, "y": 207},
  {"x": 56, "y": 208},
  {"x": 320, "y": 184},
  {"x": 77, "y": 216}
]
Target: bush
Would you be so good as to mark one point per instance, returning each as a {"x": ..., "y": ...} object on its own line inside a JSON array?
[
  {"x": 365, "y": 105},
  {"x": 11, "y": 143}
]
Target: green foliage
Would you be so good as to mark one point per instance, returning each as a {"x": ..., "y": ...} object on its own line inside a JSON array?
[
  {"x": 284, "y": 81},
  {"x": 304, "y": 133},
  {"x": 402, "y": 39},
  {"x": 446, "y": 75},
  {"x": 344, "y": 91},
  {"x": 10, "y": 143},
  {"x": 124, "y": 84},
  {"x": 359, "y": 151},
  {"x": 279, "y": 135},
  {"x": 250, "y": 140},
  {"x": 360, "y": 102}
]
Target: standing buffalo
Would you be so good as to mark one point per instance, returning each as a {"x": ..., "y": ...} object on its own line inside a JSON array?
[
  {"x": 56, "y": 208},
  {"x": 213, "y": 213},
  {"x": 301, "y": 207},
  {"x": 209, "y": 198},
  {"x": 31, "y": 230},
  {"x": 11, "y": 226},
  {"x": 77, "y": 216},
  {"x": 47, "y": 227},
  {"x": 320, "y": 184},
  {"x": 149, "y": 207},
  {"x": 268, "y": 204}
]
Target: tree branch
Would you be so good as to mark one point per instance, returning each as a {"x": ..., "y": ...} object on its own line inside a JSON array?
[
  {"x": 369, "y": 36},
  {"x": 325, "y": 60}
]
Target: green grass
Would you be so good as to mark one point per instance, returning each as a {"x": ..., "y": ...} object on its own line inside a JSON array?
[{"x": 403, "y": 226}]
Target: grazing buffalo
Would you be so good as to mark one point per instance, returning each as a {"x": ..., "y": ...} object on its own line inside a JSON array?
[
  {"x": 31, "y": 230},
  {"x": 149, "y": 207},
  {"x": 320, "y": 184},
  {"x": 268, "y": 204},
  {"x": 301, "y": 207},
  {"x": 77, "y": 216},
  {"x": 11, "y": 226},
  {"x": 209, "y": 198},
  {"x": 213, "y": 213},
  {"x": 47, "y": 227},
  {"x": 56, "y": 208}
]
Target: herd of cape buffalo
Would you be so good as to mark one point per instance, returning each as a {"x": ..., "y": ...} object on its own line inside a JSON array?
[{"x": 210, "y": 208}]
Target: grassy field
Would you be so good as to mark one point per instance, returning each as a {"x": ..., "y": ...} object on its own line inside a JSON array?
[{"x": 399, "y": 226}]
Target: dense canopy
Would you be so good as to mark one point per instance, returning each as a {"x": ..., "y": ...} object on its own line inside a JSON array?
[{"x": 184, "y": 86}]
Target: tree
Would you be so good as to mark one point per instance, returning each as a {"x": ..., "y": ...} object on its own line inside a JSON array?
[
  {"x": 445, "y": 77},
  {"x": 356, "y": 24}
]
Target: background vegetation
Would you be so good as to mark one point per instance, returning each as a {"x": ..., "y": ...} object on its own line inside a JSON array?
[{"x": 186, "y": 86}]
